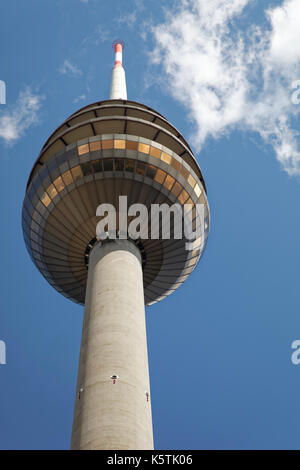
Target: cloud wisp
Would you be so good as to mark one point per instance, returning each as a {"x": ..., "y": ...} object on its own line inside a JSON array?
[
  {"x": 79, "y": 98},
  {"x": 68, "y": 68},
  {"x": 229, "y": 76},
  {"x": 16, "y": 119}
]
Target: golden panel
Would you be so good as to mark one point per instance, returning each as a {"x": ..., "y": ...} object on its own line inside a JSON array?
[
  {"x": 160, "y": 176},
  {"x": 175, "y": 164},
  {"x": 107, "y": 144},
  {"x": 191, "y": 181},
  {"x": 169, "y": 181},
  {"x": 82, "y": 149},
  {"x": 176, "y": 189},
  {"x": 131, "y": 145},
  {"x": 46, "y": 200},
  {"x": 77, "y": 173},
  {"x": 155, "y": 152},
  {"x": 165, "y": 157},
  {"x": 185, "y": 173},
  {"x": 67, "y": 177},
  {"x": 183, "y": 196},
  {"x": 144, "y": 148},
  {"x": 197, "y": 190},
  {"x": 59, "y": 184},
  {"x": 51, "y": 190},
  {"x": 202, "y": 199},
  {"x": 189, "y": 201},
  {"x": 119, "y": 144},
  {"x": 95, "y": 146}
]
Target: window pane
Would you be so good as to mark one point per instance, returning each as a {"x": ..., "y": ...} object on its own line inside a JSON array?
[
  {"x": 191, "y": 181},
  {"x": 119, "y": 163},
  {"x": 144, "y": 148},
  {"x": 51, "y": 191},
  {"x": 197, "y": 190},
  {"x": 97, "y": 165},
  {"x": 82, "y": 149},
  {"x": 169, "y": 182},
  {"x": 151, "y": 170},
  {"x": 107, "y": 144},
  {"x": 67, "y": 177},
  {"x": 58, "y": 183},
  {"x": 140, "y": 168},
  {"x": 175, "y": 164},
  {"x": 183, "y": 196},
  {"x": 155, "y": 152},
  {"x": 108, "y": 164},
  {"x": 184, "y": 172},
  {"x": 119, "y": 144},
  {"x": 176, "y": 189},
  {"x": 95, "y": 146},
  {"x": 165, "y": 157},
  {"x": 131, "y": 145},
  {"x": 130, "y": 164},
  {"x": 77, "y": 173},
  {"x": 160, "y": 176},
  {"x": 46, "y": 199},
  {"x": 86, "y": 168}
]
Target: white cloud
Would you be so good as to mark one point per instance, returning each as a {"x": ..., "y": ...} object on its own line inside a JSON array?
[
  {"x": 79, "y": 98},
  {"x": 130, "y": 18},
  {"x": 98, "y": 36},
  {"x": 16, "y": 119},
  {"x": 229, "y": 76},
  {"x": 285, "y": 37},
  {"x": 67, "y": 68}
]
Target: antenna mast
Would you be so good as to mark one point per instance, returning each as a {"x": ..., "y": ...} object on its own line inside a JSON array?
[{"x": 118, "y": 81}]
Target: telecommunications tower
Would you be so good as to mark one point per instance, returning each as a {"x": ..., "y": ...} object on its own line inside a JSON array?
[{"x": 105, "y": 150}]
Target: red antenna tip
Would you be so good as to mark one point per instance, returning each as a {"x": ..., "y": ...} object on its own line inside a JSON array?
[{"x": 117, "y": 42}]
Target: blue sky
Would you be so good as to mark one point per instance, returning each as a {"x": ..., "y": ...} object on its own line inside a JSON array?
[{"x": 220, "y": 347}]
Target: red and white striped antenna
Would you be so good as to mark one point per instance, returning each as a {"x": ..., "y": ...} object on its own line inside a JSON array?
[
  {"x": 118, "y": 81},
  {"x": 118, "y": 46}
]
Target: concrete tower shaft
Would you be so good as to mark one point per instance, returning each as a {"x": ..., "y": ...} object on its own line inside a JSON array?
[{"x": 113, "y": 413}]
